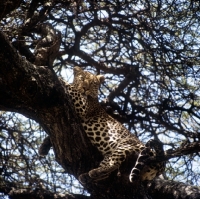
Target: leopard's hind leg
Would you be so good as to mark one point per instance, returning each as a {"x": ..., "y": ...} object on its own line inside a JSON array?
[
  {"x": 152, "y": 148},
  {"x": 110, "y": 162}
]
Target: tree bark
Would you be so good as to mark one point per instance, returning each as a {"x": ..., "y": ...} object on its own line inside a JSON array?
[
  {"x": 37, "y": 93},
  {"x": 166, "y": 189}
]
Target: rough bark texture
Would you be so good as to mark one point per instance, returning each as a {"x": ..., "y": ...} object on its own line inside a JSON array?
[
  {"x": 36, "y": 92},
  {"x": 172, "y": 190}
]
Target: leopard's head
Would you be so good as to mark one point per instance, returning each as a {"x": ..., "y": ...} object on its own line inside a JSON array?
[{"x": 86, "y": 82}]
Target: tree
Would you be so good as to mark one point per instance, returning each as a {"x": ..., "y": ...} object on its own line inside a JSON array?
[{"x": 149, "y": 53}]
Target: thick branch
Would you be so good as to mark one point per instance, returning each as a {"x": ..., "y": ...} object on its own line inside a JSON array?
[
  {"x": 36, "y": 92},
  {"x": 166, "y": 189}
]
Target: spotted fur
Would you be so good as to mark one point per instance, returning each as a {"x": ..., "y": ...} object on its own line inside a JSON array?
[
  {"x": 110, "y": 137},
  {"x": 152, "y": 148}
]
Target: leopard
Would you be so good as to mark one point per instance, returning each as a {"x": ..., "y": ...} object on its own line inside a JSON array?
[{"x": 110, "y": 137}]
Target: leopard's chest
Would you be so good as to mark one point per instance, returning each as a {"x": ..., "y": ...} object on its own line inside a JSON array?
[{"x": 79, "y": 101}]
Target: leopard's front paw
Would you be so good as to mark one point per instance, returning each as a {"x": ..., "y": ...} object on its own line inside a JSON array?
[
  {"x": 84, "y": 178},
  {"x": 97, "y": 174},
  {"x": 94, "y": 173}
]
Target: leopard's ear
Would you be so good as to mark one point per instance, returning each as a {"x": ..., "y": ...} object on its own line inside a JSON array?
[{"x": 101, "y": 78}]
